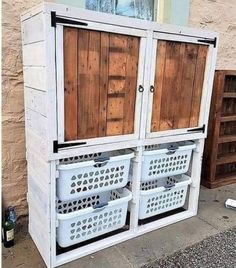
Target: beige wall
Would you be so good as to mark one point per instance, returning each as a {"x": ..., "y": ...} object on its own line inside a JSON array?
[
  {"x": 220, "y": 16},
  {"x": 13, "y": 148}
]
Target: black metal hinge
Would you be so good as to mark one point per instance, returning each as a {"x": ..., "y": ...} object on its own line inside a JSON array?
[
  {"x": 55, "y": 20},
  {"x": 200, "y": 129},
  {"x": 57, "y": 145},
  {"x": 208, "y": 41}
]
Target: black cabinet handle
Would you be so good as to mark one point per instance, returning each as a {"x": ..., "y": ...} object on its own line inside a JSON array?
[
  {"x": 140, "y": 88},
  {"x": 152, "y": 89}
]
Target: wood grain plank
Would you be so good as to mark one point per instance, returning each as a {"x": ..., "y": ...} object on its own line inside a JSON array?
[
  {"x": 169, "y": 94},
  {"x": 131, "y": 84},
  {"x": 188, "y": 74},
  {"x": 198, "y": 85},
  {"x": 88, "y": 93},
  {"x": 115, "y": 108},
  {"x": 117, "y": 68},
  {"x": 104, "y": 57},
  {"x": 70, "y": 82},
  {"x": 158, "y": 84}
]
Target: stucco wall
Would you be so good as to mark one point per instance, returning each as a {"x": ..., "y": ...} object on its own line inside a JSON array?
[
  {"x": 13, "y": 148},
  {"x": 220, "y": 16}
]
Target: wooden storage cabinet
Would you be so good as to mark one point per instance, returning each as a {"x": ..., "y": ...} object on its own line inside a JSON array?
[
  {"x": 219, "y": 164},
  {"x": 96, "y": 84}
]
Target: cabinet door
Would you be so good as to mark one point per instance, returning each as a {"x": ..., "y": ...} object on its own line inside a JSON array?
[
  {"x": 98, "y": 81},
  {"x": 178, "y": 88}
]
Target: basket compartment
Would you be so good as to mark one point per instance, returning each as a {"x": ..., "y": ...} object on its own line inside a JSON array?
[
  {"x": 166, "y": 160},
  {"x": 162, "y": 195},
  {"x": 91, "y": 216},
  {"x": 90, "y": 174}
]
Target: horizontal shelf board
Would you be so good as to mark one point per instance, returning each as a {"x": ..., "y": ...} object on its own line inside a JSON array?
[
  {"x": 228, "y": 118},
  {"x": 229, "y": 95},
  {"x": 226, "y": 159},
  {"x": 227, "y": 138},
  {"x": 226, "y": 177}
]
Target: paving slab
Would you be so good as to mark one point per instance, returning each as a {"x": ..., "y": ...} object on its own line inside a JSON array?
[
  {"x": 164, "y": 241},
  {"x": 212, "y": 207}
]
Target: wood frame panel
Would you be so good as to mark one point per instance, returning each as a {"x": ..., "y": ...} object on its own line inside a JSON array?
[
  {"x": 155, "y": 126},
  {"x": 108, "y": 121}
]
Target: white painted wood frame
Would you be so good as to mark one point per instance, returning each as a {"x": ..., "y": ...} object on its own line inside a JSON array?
[{"x": 43, "y": 87}]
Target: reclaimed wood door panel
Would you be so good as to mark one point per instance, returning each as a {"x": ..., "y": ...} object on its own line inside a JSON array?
[
  {"x": 179, "y": 77},
  {"x": 100, "y": 81}
]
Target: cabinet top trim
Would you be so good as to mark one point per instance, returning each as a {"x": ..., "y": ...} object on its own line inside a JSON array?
[{"x": 69, "y": 12}]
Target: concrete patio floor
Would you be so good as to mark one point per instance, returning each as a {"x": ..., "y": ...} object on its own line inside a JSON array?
[{"x": 212, "y": 218}]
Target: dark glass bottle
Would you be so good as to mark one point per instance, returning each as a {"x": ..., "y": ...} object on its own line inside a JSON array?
[
  {"x": 10, "y": 214},
  {"x": 8, "y": 234}
]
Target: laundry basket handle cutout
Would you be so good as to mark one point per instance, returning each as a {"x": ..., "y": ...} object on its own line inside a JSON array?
[
  {"x": 169, "y": 186},
  {"x": 172, "y": 148},
  {"x": 101, "y": 162},
  {"x": 100, "y": 207}
]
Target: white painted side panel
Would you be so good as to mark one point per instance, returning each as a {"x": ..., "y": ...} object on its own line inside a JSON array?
[
  {"x": 35, "y": 77},
  {"x": 33, "y": 29},
  {"x": 36, "y": 123},
  {"x": 36, "y": 142},
  {"x": 34, "y": 54},
  {"x": 36, "y": 100},
  {"x": 39, "y": 230}
]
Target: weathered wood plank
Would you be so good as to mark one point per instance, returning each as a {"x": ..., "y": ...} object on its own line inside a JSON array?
[
  {"x": 168, "y": 103},
  {"x": 88, "y": 93},
  {"x": 184, "y": 101},
  {"x": 117, "y": 67},
  {"x": 131, "y": 84},
  {"x": 198, "y": 85},
  {"x": 115, "y": 108},
  {"x": 158, "y": 84},
  {"x": 70, "y": 82},
  {"x": 103, "y": 86}
]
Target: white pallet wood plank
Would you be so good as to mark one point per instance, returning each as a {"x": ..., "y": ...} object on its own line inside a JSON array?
[
  {"x": 136, "y": 178},
  {"x": 36, "y": 100},
  {"x": 36, "y": 122},
  {"x": 39, "y": 190},
  {"x": 39, "y": 231},
  {"x": 196, "y": 176},
  {"x": 35, "y": 141},
  {"x": 33, "y": 11},
  {"x": 34, "y": 54},
  {"x": 35, "y": 77},
  {"x": 33, "y": 29},
  {"x": 41, "y": 167},
  {"x": 53, "y": 214}
]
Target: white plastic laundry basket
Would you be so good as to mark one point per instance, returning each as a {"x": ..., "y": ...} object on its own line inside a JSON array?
[
  {"x": 83, "y": 219},
  {"x": 166, "y": 160},
  {"x": 90, "y": 174},
  {"x": 161, "y": 195}
]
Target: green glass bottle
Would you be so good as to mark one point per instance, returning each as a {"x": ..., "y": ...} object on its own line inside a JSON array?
[{"x": 8, "y": 234}]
